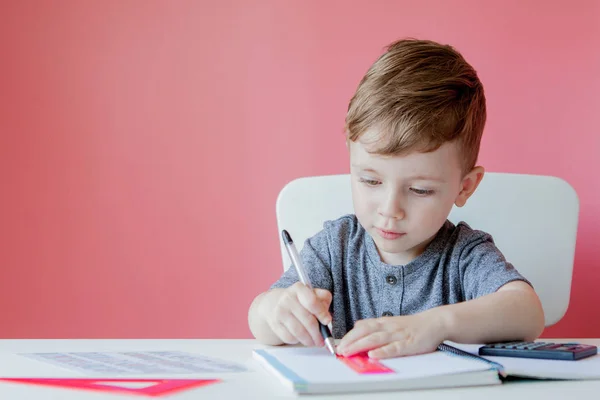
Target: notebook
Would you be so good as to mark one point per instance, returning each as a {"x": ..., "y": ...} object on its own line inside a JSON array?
[
  {"x": 585, "y": 369},
  {"x": 315, "y": 371}
]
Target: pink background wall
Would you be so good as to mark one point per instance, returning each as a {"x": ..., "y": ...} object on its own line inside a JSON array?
[{"x": 143, "y": 144}]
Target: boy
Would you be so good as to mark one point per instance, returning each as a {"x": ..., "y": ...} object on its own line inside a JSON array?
[{"x": 398, "y": 277}]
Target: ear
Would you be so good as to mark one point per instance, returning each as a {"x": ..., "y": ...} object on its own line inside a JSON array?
[{"x": 468, "y": 185}]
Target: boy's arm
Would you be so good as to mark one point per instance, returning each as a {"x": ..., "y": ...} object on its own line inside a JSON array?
[
  {"x": 500, "y": 304},
  {"x": 514, "y": 312}
]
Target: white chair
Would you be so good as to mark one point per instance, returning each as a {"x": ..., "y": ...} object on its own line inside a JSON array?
[{"x": 533, "y": 220}]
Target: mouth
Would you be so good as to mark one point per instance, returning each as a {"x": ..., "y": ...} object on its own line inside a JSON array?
[{"x": 391, "y": 235}]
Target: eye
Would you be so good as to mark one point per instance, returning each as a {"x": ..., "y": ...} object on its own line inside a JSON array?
[
  {"x": 369, "y": 182},
  {"x": 422, "y": 192}
]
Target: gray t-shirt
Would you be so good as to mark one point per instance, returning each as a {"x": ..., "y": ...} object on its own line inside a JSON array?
[{"x": 459, "y": 264}]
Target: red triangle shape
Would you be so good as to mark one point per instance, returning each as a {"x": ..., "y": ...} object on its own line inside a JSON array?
[{"x": 160, "y": 387}]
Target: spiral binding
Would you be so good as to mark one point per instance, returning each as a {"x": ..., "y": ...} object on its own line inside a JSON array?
[{"x": 461, "y": 353}]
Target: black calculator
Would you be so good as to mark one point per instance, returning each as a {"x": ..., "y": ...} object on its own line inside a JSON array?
[{"x": 546, "y": 350}]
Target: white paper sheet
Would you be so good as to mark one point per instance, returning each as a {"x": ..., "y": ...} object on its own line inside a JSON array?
[{"x": 136, "y": 362}]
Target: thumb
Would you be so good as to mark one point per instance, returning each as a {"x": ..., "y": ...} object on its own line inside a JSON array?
[{"x": 324, "y": 296}]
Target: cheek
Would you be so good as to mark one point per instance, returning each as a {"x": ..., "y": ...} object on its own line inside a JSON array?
[
  {"x": 435, "y": 212},
  {"x": 362, "y": 199},
  {"x": 355, "y": 197}
]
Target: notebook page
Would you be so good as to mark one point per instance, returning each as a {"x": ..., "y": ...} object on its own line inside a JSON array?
[
  {"x": 317, "y": 365},
  {"x": 587, "y": 368}
]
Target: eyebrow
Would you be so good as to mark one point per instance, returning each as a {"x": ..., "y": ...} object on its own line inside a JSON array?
[
  {"x": 426, "y": 178},
  {"x": 366, "y": 169},
  {"x": 413, "y": 178}
]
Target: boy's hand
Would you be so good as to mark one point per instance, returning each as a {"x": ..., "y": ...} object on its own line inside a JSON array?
[
  {"x": 388, "y": 337},
  {"x": 292, "y": 313}
]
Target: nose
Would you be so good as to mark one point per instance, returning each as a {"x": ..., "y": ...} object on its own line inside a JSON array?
[{"x": 391, "y": 206}]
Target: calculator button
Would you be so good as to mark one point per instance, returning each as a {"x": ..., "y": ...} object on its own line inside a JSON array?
[
  {"x": 518, "y": 345},
  {"x": 536, "y": 345},
  {"x": 506, "y": 345},
  {"x": 525, "y": 345},
  {"x": 550, "y": 346}
]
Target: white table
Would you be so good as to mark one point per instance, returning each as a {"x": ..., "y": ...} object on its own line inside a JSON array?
[{"x": 253, "y": 384}]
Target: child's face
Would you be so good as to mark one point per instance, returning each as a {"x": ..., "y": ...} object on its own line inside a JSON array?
[{"x": 402, "y": 201}]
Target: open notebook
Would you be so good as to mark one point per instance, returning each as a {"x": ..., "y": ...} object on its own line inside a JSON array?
[{"x": 315, "y": 370}]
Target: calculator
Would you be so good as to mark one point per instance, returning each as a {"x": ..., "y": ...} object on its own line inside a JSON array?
[{"x": 546, "y": 350}]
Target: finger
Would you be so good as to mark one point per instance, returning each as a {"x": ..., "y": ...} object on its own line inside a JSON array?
[
  {"x": 285, "y": 313},
  {"x": 283, "y": 333},
  {"x": 297, "y": 330},
  {"x": 313, "y": 304},
  {"x": 361, "y": 329},
  {"x": 369, "y": 342},
  {"x": 279, "y": 313},
  {"x": 309, "y": 322},
  {"x": 394, "y": 349}
]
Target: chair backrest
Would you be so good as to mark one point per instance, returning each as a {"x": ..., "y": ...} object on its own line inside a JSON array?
[{"x": 533, "y": 220}]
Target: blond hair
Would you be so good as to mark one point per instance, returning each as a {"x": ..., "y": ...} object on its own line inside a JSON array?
[{"x": 417, "y": 96}]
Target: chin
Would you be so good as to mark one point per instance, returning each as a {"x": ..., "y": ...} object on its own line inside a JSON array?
[{"x": 391, "y": 248}]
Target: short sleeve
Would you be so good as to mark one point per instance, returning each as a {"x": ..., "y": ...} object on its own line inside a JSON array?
[
  {"x": 485, "y": 269},
  {"x": 316, "y": 259}
]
